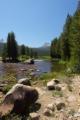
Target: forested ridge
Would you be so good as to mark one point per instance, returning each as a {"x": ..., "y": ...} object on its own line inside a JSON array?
[{"x": 67, "y": 46}]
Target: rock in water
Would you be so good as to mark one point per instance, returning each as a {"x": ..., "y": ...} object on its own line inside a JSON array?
[
  {"x": 25, "y": 81},
  {"x": 18, "y": 99},
  {"x": 32, "y": 61}
]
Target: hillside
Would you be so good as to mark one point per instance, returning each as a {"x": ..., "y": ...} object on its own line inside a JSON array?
[{"x": 43, "y": 51}]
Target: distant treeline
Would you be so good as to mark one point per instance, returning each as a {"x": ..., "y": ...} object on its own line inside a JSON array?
[
  {"x": 11, "y": 51},
  {"x": 67, "y": 46}
]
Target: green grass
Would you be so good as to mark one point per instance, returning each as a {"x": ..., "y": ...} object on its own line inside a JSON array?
[
  {"x": 57, "y": 94},
  {"x": 71, "y": 112},
  {"x": 63, "y": 62},
  {"x": 23, "y": 58},
  {"x": 7, "y": 88},
  {"x": 47, "y": 77},
  {"x": 44, "y": 57},
  {"x": 15, "y": 117},
  {"x": 9, "y": 80},
  {"x": 64, "y": 76},
  {"x": 50, "y": 75}
]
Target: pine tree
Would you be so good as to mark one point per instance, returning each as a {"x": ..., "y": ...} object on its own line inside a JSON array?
[
  {"x": 65, "y": 39},
  {"x": 23, "y": 50},
  {"x": 78, "y": 7},
  {"x": 12, "y": 49},
  {"x": 27, "y": 51},
  {"x": 9, "y": 46},
  {"x": 54, "y": 48},
  {"x": 31, "y": 53},
  {"x": 75, "y": 36},
  {"x": 35, "y": 54},
  {"x": 4, "y": 52}
]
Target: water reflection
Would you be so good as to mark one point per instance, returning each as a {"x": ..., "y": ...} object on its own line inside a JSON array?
[
  {"x": 57, "y": 67},
  {"x": 43, "y": 66}
]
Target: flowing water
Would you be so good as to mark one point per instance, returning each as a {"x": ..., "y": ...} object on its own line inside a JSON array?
[{"x": 19, "y": 70}]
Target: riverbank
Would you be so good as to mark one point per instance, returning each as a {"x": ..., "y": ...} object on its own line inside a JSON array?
[
  {"x": 68, "y": 97},
  {"x": 66, "y": 93},
  {"x": 71, "y": 100}
]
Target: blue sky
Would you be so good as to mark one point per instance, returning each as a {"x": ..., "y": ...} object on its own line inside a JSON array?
[{"x": 34, "y": 22}]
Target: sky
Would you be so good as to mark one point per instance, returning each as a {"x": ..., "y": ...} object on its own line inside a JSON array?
[{"x": 34, "y": 22}]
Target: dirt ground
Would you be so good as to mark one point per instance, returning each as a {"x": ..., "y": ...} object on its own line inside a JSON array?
[{"x": 70, "y": 97}]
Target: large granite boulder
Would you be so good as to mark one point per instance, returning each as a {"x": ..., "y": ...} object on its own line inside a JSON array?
[
  {"x": 25, "y": 81},
  {"x": 18, "y": 99}
]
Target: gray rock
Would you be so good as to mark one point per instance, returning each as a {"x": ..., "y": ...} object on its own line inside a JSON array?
[
  {"x": 32, "y": 74},
  {"x": 23, "y": 69},
  {"x": 31, "y": 70},
  {"x": 51, "y": 84},
  {"x": 72, "y": 98},
  {"x": 18, "y": 99},
  {"x": 34, "y": 116},
  {"x": 77, "y": 115},
  {"x": 51, "y": 107},
  {"x": 57, "y": 88},
  {"x": 2, "y": 85},
  {"x": 37, "y": 70},
  {"x": 63, "y": 86},
  {"x": 56, "y": 81},
  {"x": 60, "y": 105},
  {"x": 47, "y": 112},
  {"x": 30, "y": 61},
  {"x": 25, "y": 81}
]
